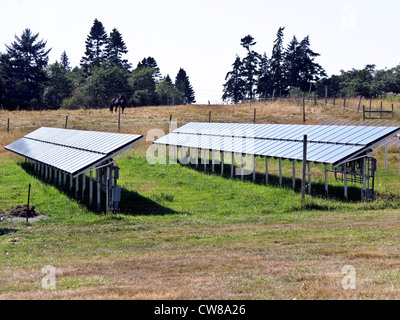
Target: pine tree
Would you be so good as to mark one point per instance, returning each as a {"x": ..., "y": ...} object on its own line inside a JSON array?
[
  {"x": 264, "y": 77},
  {"x": 310, "y": 71},
  {"x": 250, "y": 66},
  {"x": 150, "y": 62},
  {"x": 182, "y": 83},
  {"x": 115, "y": 49},
  {"x": 24, "y": 66},
  {"x": 64, "y": 62},
  {"x": 277, "y": 61},
  {"x": 96, "y": 43},
  {"x": 292, "y": 64},
  {"x": 234, "y": 88}
]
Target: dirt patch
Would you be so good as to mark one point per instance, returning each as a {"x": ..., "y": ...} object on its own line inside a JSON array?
[{"x": 21, "y": 212}]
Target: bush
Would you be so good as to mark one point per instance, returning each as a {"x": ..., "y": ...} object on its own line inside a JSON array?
[{"x": 78, "y": 101}]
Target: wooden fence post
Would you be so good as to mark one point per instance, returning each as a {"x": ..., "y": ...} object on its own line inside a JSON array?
[
  {"x": 363, "y": 113},
  {"x": 326, "y": 95}
]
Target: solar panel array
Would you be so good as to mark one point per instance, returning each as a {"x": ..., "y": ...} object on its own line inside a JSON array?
[
  {"x": 326, "y": 144},
  {"x": 71, "y": 151}
]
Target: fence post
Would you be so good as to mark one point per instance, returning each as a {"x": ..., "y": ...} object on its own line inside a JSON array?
[
  {"x": 363, "y": 113},
  {"x": 359, "y": 104},
  {"x": 255, "y": 110},
  {"x": 304, "y": 110},
  {"x": 8, "y": 125},
  {"x": 209, "y": 116},
  {"x": 66, "y": 122}
]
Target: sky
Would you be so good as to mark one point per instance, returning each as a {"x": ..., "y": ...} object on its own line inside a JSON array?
[{"x": 203, "y": 36}]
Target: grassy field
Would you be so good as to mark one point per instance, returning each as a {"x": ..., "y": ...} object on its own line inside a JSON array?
[{"x": 186, "y": 234}]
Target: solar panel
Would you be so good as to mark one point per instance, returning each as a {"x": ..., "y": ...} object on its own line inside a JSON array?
[
  {"x": 72, "y": 151},
  {"x": 325, "y": 144}
]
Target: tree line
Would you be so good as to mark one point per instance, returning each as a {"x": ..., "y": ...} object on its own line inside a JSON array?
[
  {"x": 28, "y": 81},
  {"x": 294, "y": 71}
]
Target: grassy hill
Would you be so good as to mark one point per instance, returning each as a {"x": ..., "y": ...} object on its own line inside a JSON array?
[{"x": 186, "y": 234}]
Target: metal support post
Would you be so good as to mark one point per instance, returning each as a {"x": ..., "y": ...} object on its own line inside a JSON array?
[
  {"x": 309, "y": 178},
  {"x": 232, "y": 164},
  {"x": 294, "y": 175},
  {"x": 326, "y": 182},
  {"x": 254, "y": 167}
]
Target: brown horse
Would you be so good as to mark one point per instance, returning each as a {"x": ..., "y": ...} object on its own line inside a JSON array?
[{"x": 118, "y": 102}]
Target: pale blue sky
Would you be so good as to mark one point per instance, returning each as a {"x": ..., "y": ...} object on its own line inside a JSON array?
[{"x": 203, "y": 37}]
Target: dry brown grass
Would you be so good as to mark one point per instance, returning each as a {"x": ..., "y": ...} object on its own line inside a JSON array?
[
  {"x": 269, "y": 265},
  {"x": 298, "y": 258}
]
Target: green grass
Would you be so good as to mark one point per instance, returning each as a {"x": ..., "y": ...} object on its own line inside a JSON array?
[{"x": 172, "y": 216}]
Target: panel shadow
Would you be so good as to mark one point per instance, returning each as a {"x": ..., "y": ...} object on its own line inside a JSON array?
[{"x": 131, "y": 203}]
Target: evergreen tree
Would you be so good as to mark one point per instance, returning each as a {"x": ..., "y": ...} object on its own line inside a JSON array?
[
  {"x": 64, "y": 62},
  {"x": 264, "y": 87},
  {"x": 182, "y": 83},
  {"x": 277, "y": 61},
  {"x": 234, "y": 88},
  {"x": 250, "y": 66},
  {"x": 96, "y": 43},
  {"x": 115, "y": 49},
  {"x": 3, "y": 78},
  {"x": 310, "y": 71},
  {"x": 24, "y": 66},
  {"x": 292, "y": 65},
  {"x": 150, "y": 62}
]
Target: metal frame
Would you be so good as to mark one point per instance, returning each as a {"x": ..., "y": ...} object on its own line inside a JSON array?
[{"x": 330, "y": 143}]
